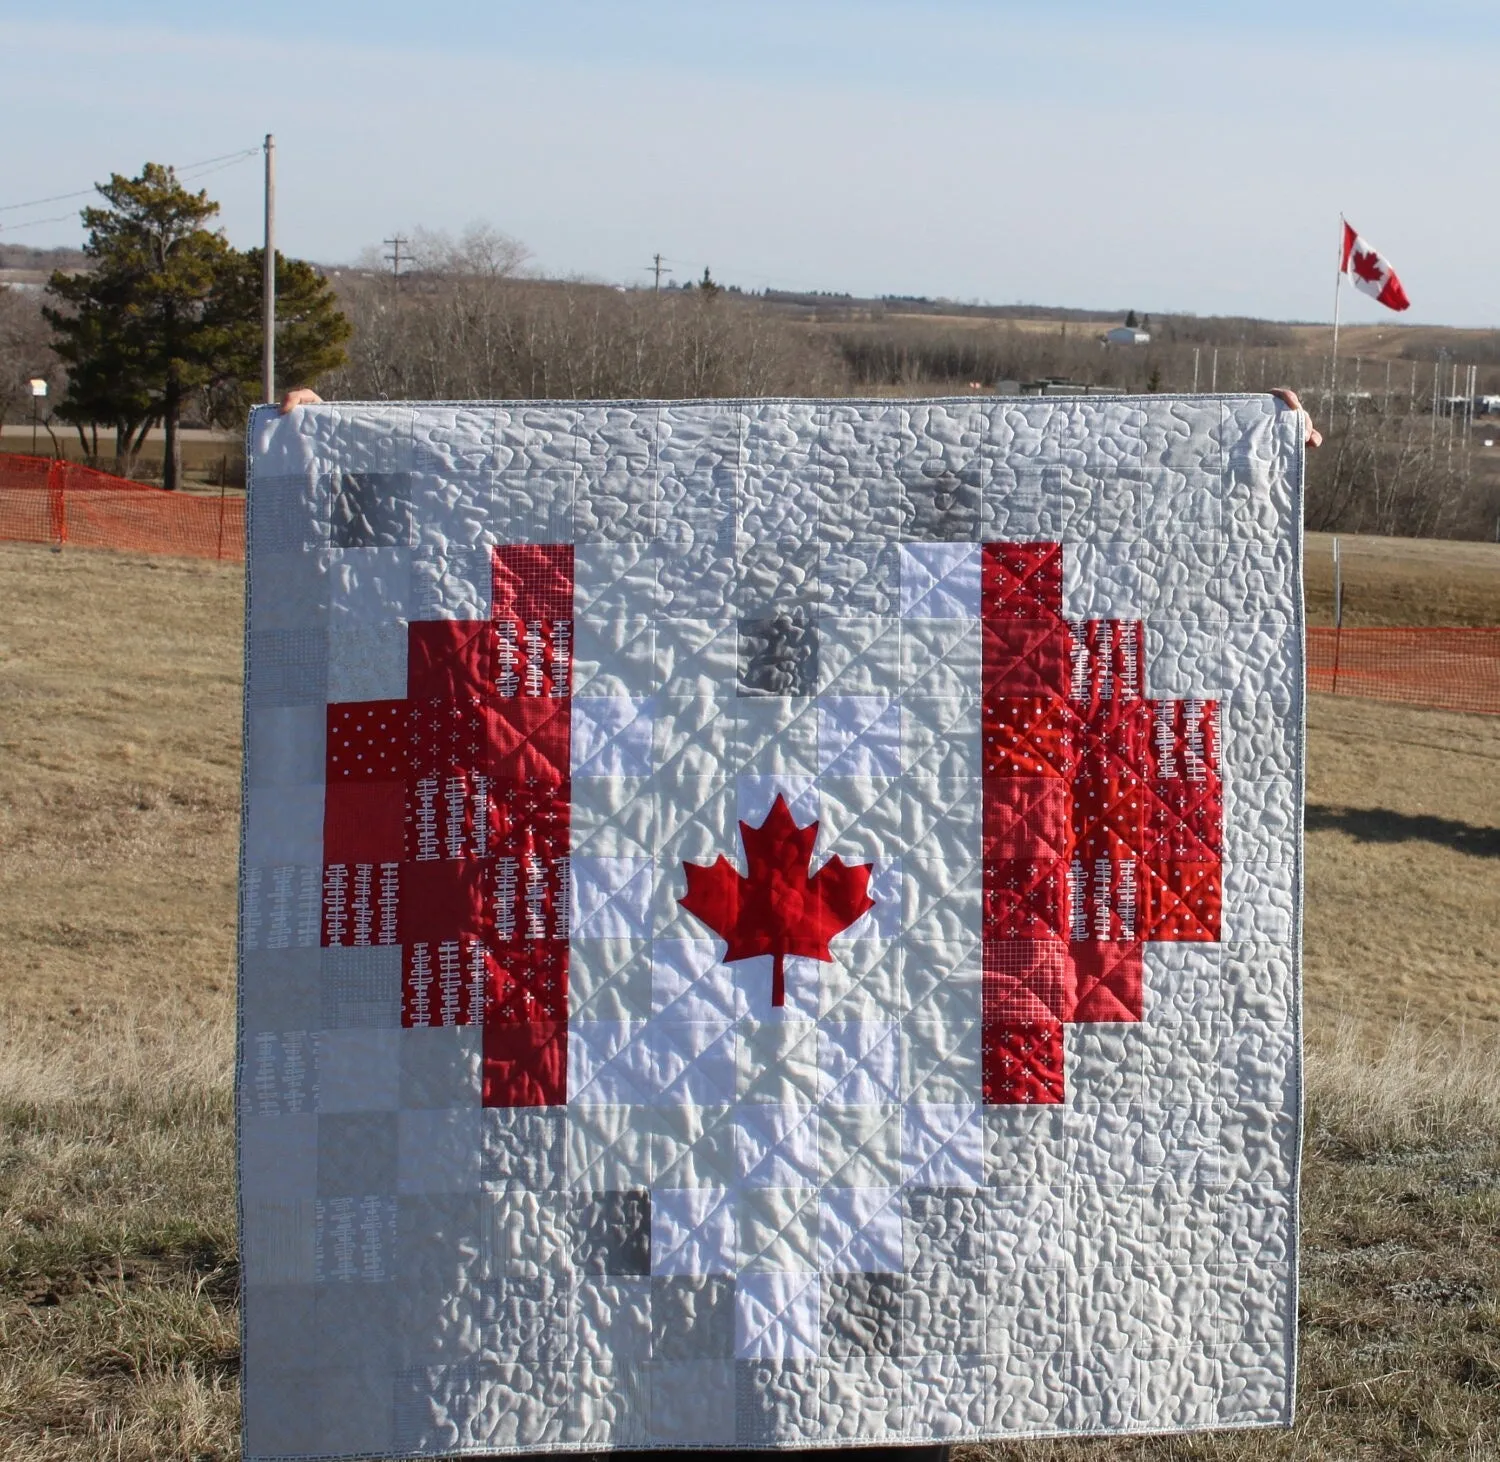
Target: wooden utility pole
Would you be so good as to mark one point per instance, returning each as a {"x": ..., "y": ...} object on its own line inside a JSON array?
[
  {"x": 268, "y": 280},
  {"x": 395, "y": 257}
]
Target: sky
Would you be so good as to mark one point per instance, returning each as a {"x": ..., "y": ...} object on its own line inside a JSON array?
[{"x": 1160, "y": 155}]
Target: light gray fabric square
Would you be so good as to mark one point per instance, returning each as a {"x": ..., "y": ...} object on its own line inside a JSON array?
[
  {"x": 286, "y": 746},
  {"x": 356, "y": 1153}
]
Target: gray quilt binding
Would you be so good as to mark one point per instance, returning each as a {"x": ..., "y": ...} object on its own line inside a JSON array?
[{"x": 239, "y": 938}]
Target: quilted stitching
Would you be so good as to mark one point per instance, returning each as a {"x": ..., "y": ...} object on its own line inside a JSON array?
[{"x": 1018, "y": 1159}]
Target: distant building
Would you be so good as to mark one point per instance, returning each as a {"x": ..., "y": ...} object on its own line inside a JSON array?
[
  {"x": 1127, "y": 335},
  {"x": 1053, "y": 386},
  {"x": 1487, "y": 405}
]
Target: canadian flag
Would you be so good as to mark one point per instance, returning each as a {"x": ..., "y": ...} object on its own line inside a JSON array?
[{"x": 1371, "y": 272}]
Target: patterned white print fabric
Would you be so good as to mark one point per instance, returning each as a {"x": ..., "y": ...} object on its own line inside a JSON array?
[{"x": 960, "y": 1100}]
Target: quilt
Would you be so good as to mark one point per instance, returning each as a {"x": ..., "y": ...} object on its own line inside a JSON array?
[{"x": 769, "y": 923}]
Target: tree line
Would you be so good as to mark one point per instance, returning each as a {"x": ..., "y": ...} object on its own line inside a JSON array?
[{"x": 164, "y": 321}]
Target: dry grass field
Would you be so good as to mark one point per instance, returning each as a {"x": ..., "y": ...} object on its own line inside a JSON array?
[
  {"x": 1404, "y": 581},
  {"x": 119, "y": 743}
]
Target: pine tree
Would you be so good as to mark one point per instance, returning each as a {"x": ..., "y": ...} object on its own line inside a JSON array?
[
  {"x": 168, "y": 311},
  {"x": 130, "y": 329},
  {"x": 1131, "y": 321},
  {"x": 310, "y": 330}
]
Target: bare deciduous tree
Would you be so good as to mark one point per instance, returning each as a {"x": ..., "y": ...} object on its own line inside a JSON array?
[
  {"x": 465, "y": 323},
  {"x": 463, "y": 326},
  {"x": 25, "y": 351}
]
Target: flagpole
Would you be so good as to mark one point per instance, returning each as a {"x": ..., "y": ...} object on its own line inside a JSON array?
[{"x": 1338, "y": 295}]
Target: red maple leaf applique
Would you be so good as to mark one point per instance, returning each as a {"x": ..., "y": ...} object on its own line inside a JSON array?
[
  {"x": 1367, "y": 266},
  {"x": 777, "y": 909}
]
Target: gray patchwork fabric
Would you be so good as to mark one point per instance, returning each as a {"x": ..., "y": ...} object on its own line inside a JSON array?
[{"x": 769, "y": 923}]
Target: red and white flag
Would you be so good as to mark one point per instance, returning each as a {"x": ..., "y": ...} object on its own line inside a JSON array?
[{"x": 1371, "y": 272}]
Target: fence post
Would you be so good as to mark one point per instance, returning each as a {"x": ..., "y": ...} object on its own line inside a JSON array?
[
  {"x": 219, "y": 552},
  {"x": 1338, "y": 613},
  {"x": 57, "y": 503}
]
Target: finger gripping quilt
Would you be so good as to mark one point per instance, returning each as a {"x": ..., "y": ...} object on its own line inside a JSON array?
[{"x": 769, "y": 924}]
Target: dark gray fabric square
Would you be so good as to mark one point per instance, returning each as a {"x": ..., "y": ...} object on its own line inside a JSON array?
[
  {"x": 944, "y": 503},
  {"x": 692, "y": 1317},
  {"x": 776, "y": 1400},
  {"x": 370, "y": 510},
  {"x": 361, "y": 987},
  {"x": 288, "y": 668},
  {"x": 356, "y": 1153},
  {"x": 861, "y": 1314},
  {"x": 612, "y": 1233},
  {"x": 778, "y": 653}
]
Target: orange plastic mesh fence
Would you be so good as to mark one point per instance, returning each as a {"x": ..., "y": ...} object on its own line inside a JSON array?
[
  {"x": 43, "y": 500},
  {"x": 48, "y": 501},
  {"x": 1442, "y": 669}
]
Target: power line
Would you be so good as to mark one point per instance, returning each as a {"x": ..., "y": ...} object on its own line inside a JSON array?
[
  {"x": 226, "y": 158},
  {"x": 36, "y": 222}
]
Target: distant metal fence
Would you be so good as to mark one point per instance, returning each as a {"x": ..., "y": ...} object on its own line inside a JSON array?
[
  {"x": 1441, "y": 668},
  {"x": 46, "y": 500}
]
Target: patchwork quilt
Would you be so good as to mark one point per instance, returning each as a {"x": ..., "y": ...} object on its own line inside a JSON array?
[{"x": 769, "y": 923}]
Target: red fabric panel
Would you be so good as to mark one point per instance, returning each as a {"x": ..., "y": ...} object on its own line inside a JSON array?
[
  {"x": 364, "y": 822},
  {"x": 525, "y": 1065},
  {"x": 1026, "y": 657},
  {"x": 1102, "y": 820},
  {"x": 1021, "y": 581},
  {"x": 1035, "y": 736},
  {"x": 1181, "y": 902},
  {"x": 450, "y": 660},
  {"x": 1109, "y": 817},
  {"x": 1027, "y": 817},
  {"x": 361, "y": 904},
  {"x": 1108, "y": 981},
  {"x": 443, "y": 982},
  {"x": 1023, "y": 1063},
  {"x": 1027, "y": 980},
  {"x": 528, "y": 982},
  {"x": 528, "y": 741},
  {"x": 366, "y": 741},
  {"x": 533, "y": 581},
  {"x": 444, "y": 738},
  {"x": 1026, "y": 899},
  {"x": 1107, "y": 663},
  {"x": 444, "y": 900}
]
